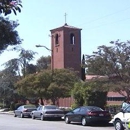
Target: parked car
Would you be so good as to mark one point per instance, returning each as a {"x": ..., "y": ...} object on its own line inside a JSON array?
[
  {"x": 24, "y": 110},
  {"x": 87, "y": 115},
  {"x": 121, "y": 120},
  {"x": 47, "y": 111}
]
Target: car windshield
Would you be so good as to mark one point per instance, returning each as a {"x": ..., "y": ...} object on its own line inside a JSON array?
[
  {"x": 95, "y": 109},
  {"x": 29, "y": 106},
  {"x": 51, "y": 107}
]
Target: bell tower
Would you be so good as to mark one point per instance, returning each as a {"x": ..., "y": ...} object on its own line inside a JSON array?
[{"x": 66, "y": 47}]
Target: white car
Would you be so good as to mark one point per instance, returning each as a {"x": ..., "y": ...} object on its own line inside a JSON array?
[{"x": 121, "y": 120}]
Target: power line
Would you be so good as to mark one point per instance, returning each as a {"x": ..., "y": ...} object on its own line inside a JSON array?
[
  {"x": 109, "y": 23},
  {"x": 105, "y": 16}
]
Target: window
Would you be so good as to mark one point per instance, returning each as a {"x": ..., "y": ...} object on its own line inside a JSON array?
[
  {"x": 20, "y": 108},
  {"x": 56, "y": 39},
  {"x": 83, "y": 109},
  {"x": 128, "y": 109},
  {"x": 115, "y": 98},
  {"x": 72, "y": 39},
  {"x": 39, "y": 108},
  {"x": 76, "y": 110}
]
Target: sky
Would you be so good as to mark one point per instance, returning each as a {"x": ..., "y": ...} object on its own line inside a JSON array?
[{"x": 101, "y": 21}]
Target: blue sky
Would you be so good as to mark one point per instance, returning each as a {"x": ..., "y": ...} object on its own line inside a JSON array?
[{"x": 101, "y": 21}]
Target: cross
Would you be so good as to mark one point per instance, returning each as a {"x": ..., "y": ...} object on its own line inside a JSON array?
[{"x": 65, "y": 17}]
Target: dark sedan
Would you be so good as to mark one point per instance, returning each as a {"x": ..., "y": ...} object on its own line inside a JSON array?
[
  {"x": 24, "y": 110},
  {"x": 47, "y": 111},
  {"x": 87, "y": 115}
]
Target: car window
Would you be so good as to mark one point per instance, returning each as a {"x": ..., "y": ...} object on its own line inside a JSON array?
[
  {"x": 127, "y": 109},
  {"x": 39, "y": 108},
  {"x": 83, "y": 109},
  {"x": 95, "y": 109},
  {"x": 19, "y": 108},
  {"x": 50, "y": 107},
  {"x": 29, "y": 106},
  {"x": 76, "y": 110}
]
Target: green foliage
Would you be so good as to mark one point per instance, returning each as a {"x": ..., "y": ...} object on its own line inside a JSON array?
[
  {"x": 25, "y": 57},
  {"x": 113, "y": 109},
  {"x": 26, "y": 86},
  {"x": 6, "y": 85},
  {"x": 78, "y": 94},
  {"x": 48, "y": 84},
  {"x": 74, "y": 105},
  {"x": 30, "y": 69},
  {"x": 43, "y": 80},
  {"x": 88, "y": 93},
  {"x": 83, "y": 75},
  {"x": 113, "y": 62},
  {"x": 97, "y": 99},
  {"x": 8, "y": 34},
  {"x": 21, "y": 63},
  {"x": 43, "y": 62},
  {"x": 65, "y": 79},
  {"x": 17, "y": 105}
]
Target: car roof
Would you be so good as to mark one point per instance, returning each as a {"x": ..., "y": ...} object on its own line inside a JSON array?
[{"x": 90, "y": 107}]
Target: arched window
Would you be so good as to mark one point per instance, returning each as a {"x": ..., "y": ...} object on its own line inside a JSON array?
[
  {"x": 72, "y": 38},
  {"x": 56, "y": 39}
]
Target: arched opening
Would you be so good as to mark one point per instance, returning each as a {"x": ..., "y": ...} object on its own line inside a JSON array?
[
  {"x": 56, "y": 39},
  {"x": 72, "y": 39}
]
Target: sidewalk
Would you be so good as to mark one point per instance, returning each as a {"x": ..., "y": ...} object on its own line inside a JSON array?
[{"x": 3, "y": 111}]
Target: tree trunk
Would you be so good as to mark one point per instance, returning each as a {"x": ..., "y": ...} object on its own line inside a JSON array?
[{"x": 41, "y": 101}]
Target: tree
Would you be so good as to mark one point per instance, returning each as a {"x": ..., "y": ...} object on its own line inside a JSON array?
[
  {"x": 113, "y": 62},
  {"x": 43, "y": 80},
  {"x": 44, "y": 86},
  {"x": 62, "y": 83},
  {"x": 25, "y": 57},
  {"x": 13, "y": 66},
  {"x": 43, "y": 62},
  {"x": 7, "y": 6},
  {"x": 83, "y": 77},
  {"x": 30, "y": 69},
  {"x": 26, "y": 86},
  {"x": 22, "y": 62},
  {"x": 8, "y": 34},
  {"x": 89, "y": 93},
  {"x": 7, "y": 80},
  {"x": 78, "y": 93}
]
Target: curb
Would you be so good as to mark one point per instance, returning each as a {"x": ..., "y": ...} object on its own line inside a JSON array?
[{"x": 8, "y": 113}]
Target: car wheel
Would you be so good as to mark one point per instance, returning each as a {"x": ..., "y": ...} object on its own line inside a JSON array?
[
  {"x": 67, "y": 120},
  {"x": 21, "y": 115},
  {"x": 118, "y": 125},
  {"x": 42, "y": 117},
  {"x": 84, "y": 122},
  {"x": 33, "y": 117}
]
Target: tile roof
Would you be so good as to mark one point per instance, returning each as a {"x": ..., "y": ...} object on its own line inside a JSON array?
[
  {"x": 66, "y": 26},
  {"x": 110, "y": 94}
]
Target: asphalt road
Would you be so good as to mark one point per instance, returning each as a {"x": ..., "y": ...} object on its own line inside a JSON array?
[{"x": 8, "y": 122}]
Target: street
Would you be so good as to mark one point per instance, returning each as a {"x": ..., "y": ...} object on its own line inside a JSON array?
[{"x": 9, "y": 122}]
